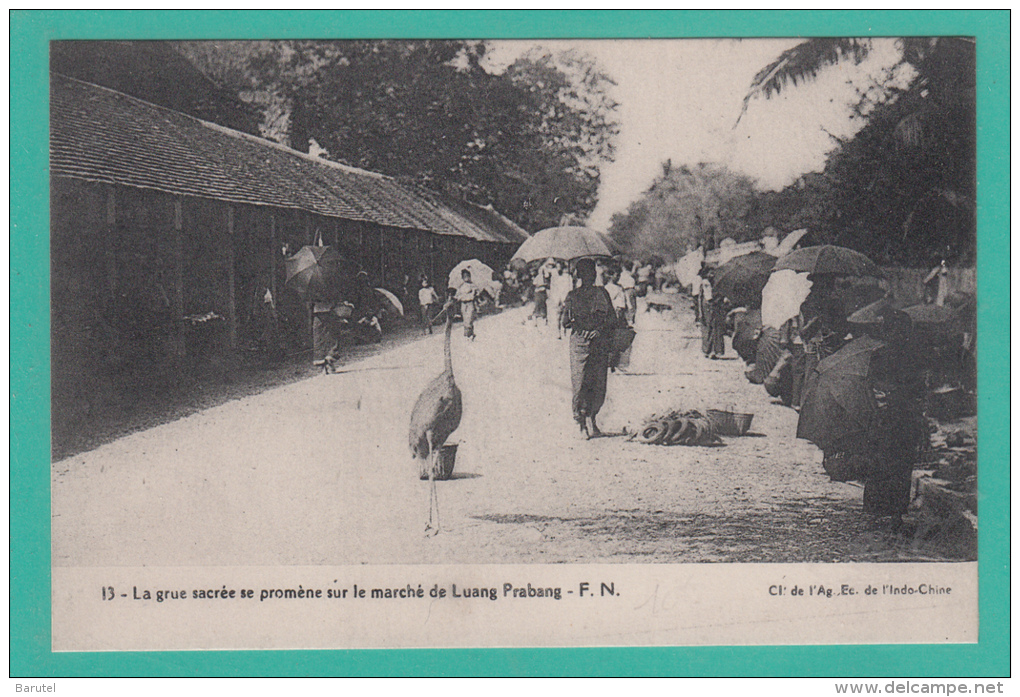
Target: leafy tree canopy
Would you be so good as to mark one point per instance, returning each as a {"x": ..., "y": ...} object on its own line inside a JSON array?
[
  {"x": 529, "y": 140},
  {"x": 903, "y": 189},
  {"x": 687, "y": 207}
]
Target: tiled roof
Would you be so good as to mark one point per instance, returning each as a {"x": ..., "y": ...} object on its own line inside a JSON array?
[
  {"x": 100, "y": 135},
  {"x": 154, "y": 71}
]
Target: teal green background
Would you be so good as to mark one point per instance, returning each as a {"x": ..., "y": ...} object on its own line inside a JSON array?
[{"x": 30, "y": 32}]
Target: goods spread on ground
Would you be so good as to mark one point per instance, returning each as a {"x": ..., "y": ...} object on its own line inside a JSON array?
[{"x": 677, "y": 428}]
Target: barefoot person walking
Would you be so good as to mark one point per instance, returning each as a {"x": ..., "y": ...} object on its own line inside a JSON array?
[
  {"x": 467, "y": 295},
  {"x": 588, "y": 313}
]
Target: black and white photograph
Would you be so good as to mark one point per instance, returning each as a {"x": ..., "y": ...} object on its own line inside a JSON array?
[{"x": 482, "y": 314}]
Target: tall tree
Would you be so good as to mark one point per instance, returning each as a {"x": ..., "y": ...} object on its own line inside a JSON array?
[
  {"x": 530, "y": 140},
  {"x": 903, "y": 188},
  {"x": 687, "y": 207}
]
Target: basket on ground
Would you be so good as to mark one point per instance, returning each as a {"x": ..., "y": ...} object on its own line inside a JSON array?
[
  {"x": 728, "y": 423},
  {"x": 445, "y": 459}
]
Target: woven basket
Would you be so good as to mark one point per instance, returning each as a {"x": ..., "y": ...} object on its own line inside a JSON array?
[
  {"x": 742, "y": 422},
  {"x": 728, "y": 423},
  {"x": 445, "y": 460}
]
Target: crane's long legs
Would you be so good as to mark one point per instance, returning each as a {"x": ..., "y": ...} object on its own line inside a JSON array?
[{"x": 433, "y": 496}]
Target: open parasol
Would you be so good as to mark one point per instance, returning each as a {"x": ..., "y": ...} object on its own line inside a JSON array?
[
  {"x": 838, "y": 402},
  {"x": 518, "y": 265},
  {"x": 828, "y": 259},
  {"x": 870, "y": 318},
  {"x": 766, "y": 354},
  {"x": 390, "y": 301},
  {"x": 742, "y": 278},
  {"x": 481, "y": 276},
  {"x": 319, "y": 274},
  {"x": 746, "y": 333},
  {"x": 782, "y": 297},
  {"x": 568, "y": 242},
  {"x": 936, "y": 324}
]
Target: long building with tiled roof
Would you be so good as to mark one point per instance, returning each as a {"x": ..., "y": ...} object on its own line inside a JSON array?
[
  {"x": 100, "y": 135},
  {"x": 170, "y": 235}
]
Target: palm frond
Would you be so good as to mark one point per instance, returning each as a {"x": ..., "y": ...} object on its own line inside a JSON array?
[{"x": 801, "y": 63}]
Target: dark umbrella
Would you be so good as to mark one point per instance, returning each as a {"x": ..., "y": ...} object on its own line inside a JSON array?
[
  {"x": 741, "y": 279},
  {"x": 935, "y": 324},
  {"x": 828, "y": 259},
  {"x": 767, "y": 353},
  {"x": 746, "y": 335},
  {"x": 518, "y": 265},
  {"x": 320, "y": 274},
  {"x": 853, "y": 293},
  {"x": 569, "y": 242},
  {"x": 871, "y": 316},
  {"x": 931, "y": 315},
  {"x": 838, "y": 401},
  {"x": 390, "y": 302}
]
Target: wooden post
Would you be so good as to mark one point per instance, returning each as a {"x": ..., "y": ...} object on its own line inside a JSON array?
[
  {"x": 231, "y": 273},
  {"x": 361, "y": 245},
  {"x": 110, "y": 244},
  {"x": 274, "y": 249},
  {"x": 432, "y": 258},
  {"x": 178, "y": 343},
  {"x": 310, "y": 314}
]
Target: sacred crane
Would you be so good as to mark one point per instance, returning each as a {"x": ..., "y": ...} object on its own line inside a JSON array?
[{"x": 436, "y": 415}]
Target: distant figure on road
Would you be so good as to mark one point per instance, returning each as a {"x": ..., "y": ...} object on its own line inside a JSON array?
[
  {"x": 466, "y": 295},
  {"x": 326, "y": 327},
  {"x": 560, "y": 284},
  {"x": 427, "y": 300},
  {"x": 588, "y": 313},
  {"x": 629, "y": 293},
  {"x": 619, "y": 359},
  {"x": 644, "y": 278},
  {"x": 366, "y": 310},
  {"x": 712, "y": 333},
  {"x": 696, "y": 291},
  {"x": 541, "y": 283}
]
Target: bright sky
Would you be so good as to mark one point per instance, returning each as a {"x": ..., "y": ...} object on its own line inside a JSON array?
[{"x": 680, "y": 99}]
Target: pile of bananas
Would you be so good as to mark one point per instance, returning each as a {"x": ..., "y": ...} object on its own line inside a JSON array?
[{"x": 676, "y": 428}]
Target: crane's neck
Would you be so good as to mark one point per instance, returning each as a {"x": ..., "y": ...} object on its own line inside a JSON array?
[{"x": 447, "y": 353}]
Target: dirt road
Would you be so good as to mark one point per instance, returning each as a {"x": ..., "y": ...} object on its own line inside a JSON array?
[{"x": 318, "y": 472}]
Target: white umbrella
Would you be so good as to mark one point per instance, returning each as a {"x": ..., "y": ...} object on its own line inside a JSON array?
[
  {"x": 687, "y": 268},
  {"x": 481, "y": 276},
  {"x": 568, "y": 242},
  {"x": 397, "y": 305},
  {"x": 782, "y": 297}
]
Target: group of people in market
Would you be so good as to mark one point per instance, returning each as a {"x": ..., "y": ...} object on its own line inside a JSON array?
[
  {"x": 466, "y": 296},
  {"x": 358, "y": 315},
  {"x": 361, "y": 314},
  {"x": 593, "y": 304},
  {"x": 857, "y": 379}
]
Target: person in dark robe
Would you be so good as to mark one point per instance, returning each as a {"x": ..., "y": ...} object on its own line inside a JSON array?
[
  {"x": 367, "y": 309},
  {"x": 823, "y": 330},
  {"x": 881, "y": 455},
  {"x": 588, "y": 313},
  {"x": 326, "y": 328},
  {"x": 713, "y": 343},
  {"x": 901, "y": 430}
]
